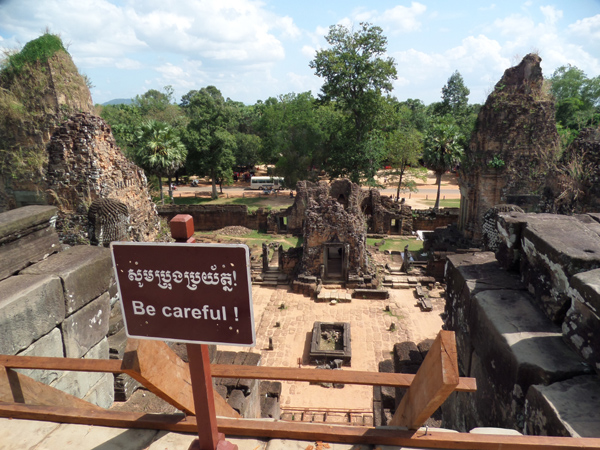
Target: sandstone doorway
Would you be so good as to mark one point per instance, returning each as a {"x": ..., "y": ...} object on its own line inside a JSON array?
[{"x": 335, "y": 259}]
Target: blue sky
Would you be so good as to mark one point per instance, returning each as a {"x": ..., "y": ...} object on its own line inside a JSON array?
[{"x": 252, "y": 50}]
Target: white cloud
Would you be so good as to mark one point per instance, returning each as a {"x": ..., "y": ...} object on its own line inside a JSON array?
[
  {"x": 309, "y": 51},
  {"x": 551, "y": 14},
  {"x": 402, "y": 19},
  {"x": 399, "y": 19},
  {"x": 288, "y": 27},
  {"x": 588, "y": 28}
]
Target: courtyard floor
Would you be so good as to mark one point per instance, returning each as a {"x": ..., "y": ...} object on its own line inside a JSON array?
[{"x": 371, "y": 340}]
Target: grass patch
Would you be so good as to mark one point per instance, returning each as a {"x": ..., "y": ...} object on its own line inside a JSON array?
[
  {"x": 256, "y": 239},
  {"x": 449, "y": 203},
  {"x": 391, "y": 314},
  {"x": 253, "y": 203},
  {"x": 397, "y": 244}
]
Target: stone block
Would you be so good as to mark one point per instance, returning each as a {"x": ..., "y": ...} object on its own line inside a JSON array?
[
  {"x": 582, "y": 321},
  {"x": 117, "y": 343},
  {"x": 424, "y": 347},
  {"x": 518, "y": 347},
  {"x": 86, "y": 327},
  {"x": 221, "y": 390},
  {"x": 269, "y": 408},
  {"x": 85, "y": 271},
  {"x": 80, "y": 383},
  {"x": 49, "y": 345},
  {"x": 466, "y": 275},
  {"x": 124, "y": 387},
  {"x": 27, "y": 250},
  {"x": 270, "y": 389},
  {"x": 236, "y": 400},
  {"x": 103, "y": 392},
  {"x": 406, "y": 355},
  {"x": 566, "y": 408},
  {"x": 249, "y": 385},
  {"x": 554, "y": 252},
  {"x": 15, "y": 221},
  {"x": 386, "y": 366},
  {"x": 30, "y": 307}
]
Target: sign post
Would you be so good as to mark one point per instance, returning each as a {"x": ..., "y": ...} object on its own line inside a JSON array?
[{"x": 197, "y": 294}]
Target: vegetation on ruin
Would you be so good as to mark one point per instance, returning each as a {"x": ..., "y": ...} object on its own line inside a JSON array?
[{"x": 39, "y": 88}]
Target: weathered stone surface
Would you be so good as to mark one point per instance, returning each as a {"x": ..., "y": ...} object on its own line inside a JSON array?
[
  {"x": 466, "y": 275},
  {"x": 516, "y": 135},
  {"x": 21, "y": 434},
  {"x": 89, "y": 437},
  {"x": 496, "y": 431},
  {"x": 270, "y": 389},
  {"x": 86, "y": 327},
  {"x": 518, "y": 347},
  {"x": 86, "y": 272},
  {"x": 103, "y": 392},
  {"x": 289, "y": 444},
  {"x": 49, "y": 345},
  {"x": 29, "y": 249},
  {"x": 85, "y": 165},
  {"x": 566, "y": 408},
  {"x": 269, "y": 408},
  {"x": 582, "y": 321},
  {"x": 30, "y": 307},
  {"x": 407, "y": 357},
  {"x": 237, "y": 400},
  {"x": 80, "y": 383},
  {"x": 14, "y": 222},
  {"x": 555, "y": 251},
  {"x": 175, "y": 441}
]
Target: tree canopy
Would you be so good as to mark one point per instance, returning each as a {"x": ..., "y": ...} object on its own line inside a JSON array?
[
  {"x": 159, "y": 151},
  {"x": 208, "y": 136},
  {"x": 355, "y": 75}
]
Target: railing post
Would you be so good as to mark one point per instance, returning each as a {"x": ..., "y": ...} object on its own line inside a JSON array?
[{"x": 209, "y": 438}]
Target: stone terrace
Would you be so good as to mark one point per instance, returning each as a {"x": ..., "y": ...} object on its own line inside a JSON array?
[{"x": 372, "y": 343}]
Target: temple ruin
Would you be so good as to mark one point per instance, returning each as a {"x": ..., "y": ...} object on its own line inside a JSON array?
[{"x": 509, "y": 156}]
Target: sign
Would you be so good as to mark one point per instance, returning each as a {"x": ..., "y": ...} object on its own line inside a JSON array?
[{"x": 192, "y": 293}]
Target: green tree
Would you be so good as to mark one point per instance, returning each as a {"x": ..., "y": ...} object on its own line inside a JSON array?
[
  {"x": 577, "y": 101},
  {"x": 442, "y": 150},
  {"x": 160, "y": 106},
  {"x": 124, "y": 121},
  {"x": 292, "y": 135},
  {"x": 355, "y": 75},
  {"x": 455, "y": 103},
  {"x": 159, "y": 152},
  {"x": 404, "y": 147},
  {"x": 208, "y": 136},
  {"x": 455, "y": 96}
]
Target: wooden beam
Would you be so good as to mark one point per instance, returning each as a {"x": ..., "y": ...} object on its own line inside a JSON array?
[
  {"x": 166, "y": 375},
  {"x": 234, "y": 371},
  {"x": 326, "y": 376},
  {"x": 435, "y": 380},
  {"x": 74, "y": 364},
  {"x": 18, "y": 388},
  {"x": 300, "y": 430}
]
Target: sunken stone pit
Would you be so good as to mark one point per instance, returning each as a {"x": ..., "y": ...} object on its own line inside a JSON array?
[{"x": 330, "y": 341}]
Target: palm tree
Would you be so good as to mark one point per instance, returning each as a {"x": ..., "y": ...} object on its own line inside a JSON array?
[
  {"x": 159, "y": 152},
  {"x": 442, "y": 150}
]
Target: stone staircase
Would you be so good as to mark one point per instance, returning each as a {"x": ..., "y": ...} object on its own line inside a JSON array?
[{"x": 271, "y": 277}]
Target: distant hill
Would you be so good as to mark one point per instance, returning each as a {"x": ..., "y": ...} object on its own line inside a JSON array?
[{"x": 118, "y": 101}]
